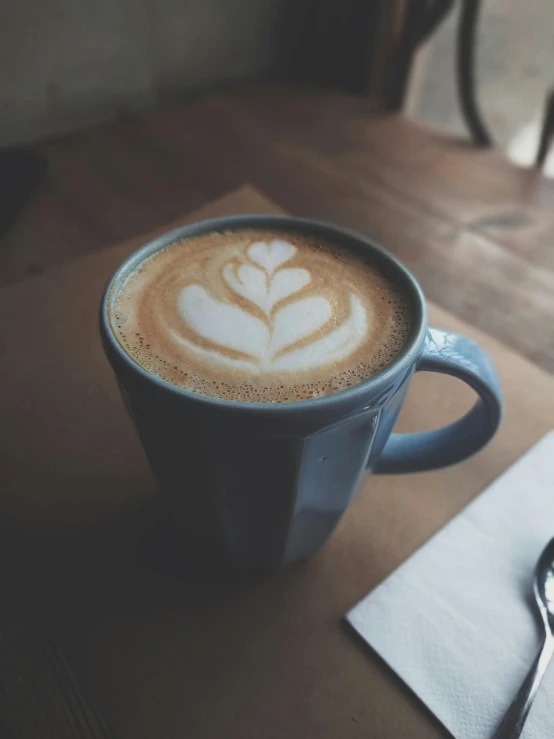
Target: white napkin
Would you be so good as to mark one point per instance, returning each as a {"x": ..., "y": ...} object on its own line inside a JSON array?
[{"x": 455, "y": 621}]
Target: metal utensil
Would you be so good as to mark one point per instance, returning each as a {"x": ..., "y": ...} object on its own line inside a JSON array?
[{"x": 543, "y": 589}]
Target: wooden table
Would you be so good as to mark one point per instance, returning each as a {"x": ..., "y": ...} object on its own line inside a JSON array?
[
  {"x": 108, "y": 630},
  {"x": 476, "y": 230}
]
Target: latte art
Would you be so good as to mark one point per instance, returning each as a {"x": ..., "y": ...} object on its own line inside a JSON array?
[
  {"x": 294, "y": 333},
  {"x": 260, "y": 316}
]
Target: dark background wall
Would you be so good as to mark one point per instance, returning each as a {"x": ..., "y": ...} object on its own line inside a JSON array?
[{"x": 70, "y": 63}]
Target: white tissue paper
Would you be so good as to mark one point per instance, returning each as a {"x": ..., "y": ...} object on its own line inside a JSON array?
[{"x": 456, "y": 621}]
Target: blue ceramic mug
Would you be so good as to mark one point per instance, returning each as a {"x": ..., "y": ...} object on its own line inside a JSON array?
[{"x": 267, "y": 483}]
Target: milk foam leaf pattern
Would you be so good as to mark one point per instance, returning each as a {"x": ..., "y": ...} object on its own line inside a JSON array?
[
  {"x": 297, "y": 321},
  {"x": 249, "y": 282},
  {"x": 264, "y": 290},
  {"x": 285, "y": 283},
  {"x": 332, "y": 347},
  {"x": 261, "y": 316},
  {"x": 221, "y": 323},
  {"x": 289, "y": 336}
]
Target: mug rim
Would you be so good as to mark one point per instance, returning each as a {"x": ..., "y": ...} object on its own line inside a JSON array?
[{"x": 336, "y": 235}]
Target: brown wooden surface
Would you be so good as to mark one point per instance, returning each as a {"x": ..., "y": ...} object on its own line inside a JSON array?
[
  {"x": 39, "y": 693},
  {"x": 148, "y": 644},
  {"x": 476, "y": 230}
]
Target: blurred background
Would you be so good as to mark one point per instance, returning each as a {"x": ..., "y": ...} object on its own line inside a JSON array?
[
  {"x": 514, "y": 67},
  {"x": 69, "y": 63},
  {"x": 425, "y": 124}
]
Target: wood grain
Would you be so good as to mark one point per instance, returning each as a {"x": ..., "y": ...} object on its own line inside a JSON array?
[
  {"x": 475, "y": 229},
  {"x": 39, "y": 694}
]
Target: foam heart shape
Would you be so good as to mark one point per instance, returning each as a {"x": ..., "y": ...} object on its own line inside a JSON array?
[
  {"x": 252, "y": 283},
  {"x": 272, "y": 255},
  {"x": 328, "y": 348},
  {"x": 247, "y": 281},
  {"x": 285, "y": 283},
  {"x": 298, "y": 321},
  {"x": 221, "y": 323}
]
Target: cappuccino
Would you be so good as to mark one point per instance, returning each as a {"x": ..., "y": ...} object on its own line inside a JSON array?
[{"x": 260, "y": 316}]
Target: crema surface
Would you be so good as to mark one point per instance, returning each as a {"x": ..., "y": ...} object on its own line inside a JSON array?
[{"x": 260, "y": 316}]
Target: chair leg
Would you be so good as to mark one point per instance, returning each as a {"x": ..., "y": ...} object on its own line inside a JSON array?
[
  {"x": 465, "y": 69},
  {"x": 547, "y": 132}
]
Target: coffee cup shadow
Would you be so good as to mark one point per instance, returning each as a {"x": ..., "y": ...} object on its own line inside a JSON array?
[{"x": 125, "y": 562}]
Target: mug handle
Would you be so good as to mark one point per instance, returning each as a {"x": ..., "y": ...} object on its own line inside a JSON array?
[{"x": 454, "y": 355}]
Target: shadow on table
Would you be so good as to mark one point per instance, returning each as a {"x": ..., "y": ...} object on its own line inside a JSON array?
[{"x": 125, "y": 563}]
